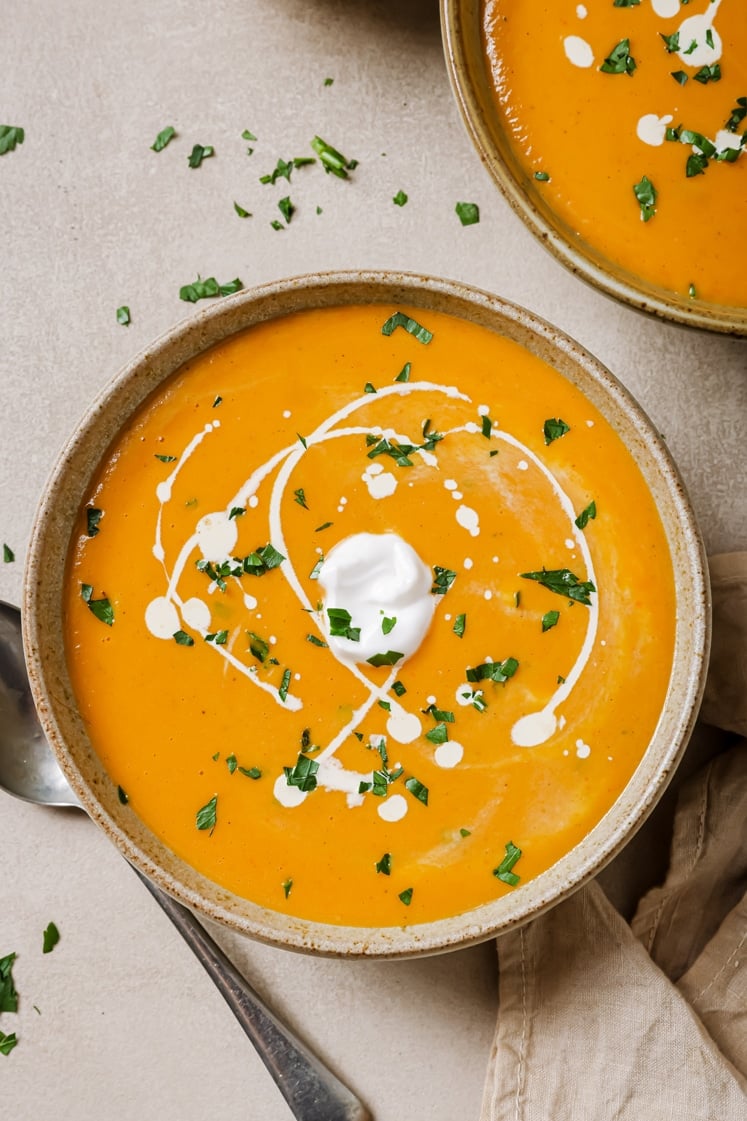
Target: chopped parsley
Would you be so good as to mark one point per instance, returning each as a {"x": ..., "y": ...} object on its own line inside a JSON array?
[
  {"x": 261, "y": 560},
  {"x": 93, "y": 517},
  {"x": 460, "y": 624},
  {"x": 645, "y": 193},
  {"x": 283, "y": 169},
  {"x": 164, "y": 137},
  {"x": 443, "y": 578},
  {"x": 286, "y": 208},
  {"x": 101, "y": 608},
  {"x": 8, "y": 994},
  {"x": 10, "y": 135},
  {"x": 232, "y": 763},
  {"x": 384, "y": 866},
  {"x": 737, "y": 115},
  {"x": 241, "y": 212},
  {"x": 399, "y": 689},
  {"x": 619, "y": 60},
  {"x": 708, "y": 74},
  {"x": 465, "y": 832},
  {"x": 333, "y": 162},
  {"x": 406, "y": 896},
  {"x": 554, "y": 428},
  {"x": 314, "y": 574},
  {"x": 123, "y": 316},
  {"x": 300, "y": 497},
  {"x": 388, "y": 624},
  {"x": 564, "y": 583},
  {"x": 468, "y": 213},
  {"x": 679, "y": 76},
  {"x": 587, "y": 514},
  {"x": 550, "y": 620},
  {"x": 671, "y": 42},
  {"x": 404, "y": 374},
  {"x": 499, "y": 672},
  {"x": 339, "y": 624},
  {"x": 287, "y": 886},
  {"x": 542, "y": 176},
  {"x": 284, "y": 685},
  {"x": 315, "y": 641},
  {"x": 205, "y": 289},
  {"x": 369, "y": 387},
  {"x": 417, "y": 789},
  {"x": 51, "y": 937},
  {"x": 122, "y": 795},
  {"x": 400, "y": 198},
  {"x": 258, "y": 646},
  {"x": 390, "y": 658},
  {"x": 166, "y": 458},
  {"x": 181, "y": 638},
  {"x": 8, "y": 555},
  {"x": 303, "y": 774},
  {"x": 399, "y": 319},
  {"x": 207, "y": 816},
  {"x": 236, "y": 512},
  {"x": 250, "y": 772},
  {"x": 438, "y": 734},
  {"x": 8, "y": 1042},
  {"x": 199, "y": 153},
  {"x": 487, "y": 427},
  {"x": 504, "y": 871}
]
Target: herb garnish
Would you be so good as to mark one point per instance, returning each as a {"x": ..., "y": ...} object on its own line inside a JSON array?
[
  {"x": 399, "y": 319},
  {"x": 7, "y": 1042},
  {"x": 331, "y": 160},
  {"x": 250, "y": 772},
  {"x": 286, "y": 208},
  {"x": 671, "y": 42},
  {"x": 554, "y": 428},
  {"x": 542, "y": 176},
  {"x": 619, "y": 60},
  {"x": 8, "y": 555},
  {"x": 388, "y": 624},
  {"x": 550, "y": 620},
  {"x": 123, "y": 316},
  {"x": 93, "y": 517},
  {"x": 236, "y": 512},
  {"x": 465, "y": 832},
  {"x": 241, "y": 212},
  {"x": 399, "y": 689},
  {"x": 460, "y": 624},
  {"x": 390, "y": 658},
  {"x": 303, "y": 774},
  {"x": 207, "y": 816},
  {"x": 166, "y": 458},
  {"x": 122, "y": 795},
  {"x": 468, "y": 213},
  {"x": 287, "y": 886},
  {"x": 50, "y": 938},
  {"x": 504, "y": 871},
  {"x": 384, "y": 866},
  {"x": 587, "y": 514},
  {"x": 165, "y": 135},
  {"x": 204, "y": 289},
  {"x": 339, "y": 624},
  {"x": 737, "y": 115},
  {"x": 8, "y": 994},
  {"x": 181, "y": 638},
  {"x": 101, "y": 608},
  {"x": 443, "y": 578},
  {"x": 258, "y": 646},
  {"x": 199, "y": 153},
  {"x": 708, "y": 74},
  {"x": 645, "y": 193},
  {"x": 406, "y": 896},
  {"x": 400, "y": 198},
  {"x": 300, "y": 497},
  {"x": 438, "y": 734},
  {"x": 10, "y": 135},
  {"x": 315, "y": 641},
  {"x": 404, "y": 374},
  {"x": 564, "y": 583},
  {"x": 499, "y": 672},
  {"x": 679, "y": 76},
  {"x": 284, "y": 685}
]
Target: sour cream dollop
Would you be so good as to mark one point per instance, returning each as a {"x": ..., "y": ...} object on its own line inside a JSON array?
[{"x": 377, "y": 578}]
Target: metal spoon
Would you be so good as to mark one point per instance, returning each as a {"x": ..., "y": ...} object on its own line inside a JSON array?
[{"x": 29, "y": 770}]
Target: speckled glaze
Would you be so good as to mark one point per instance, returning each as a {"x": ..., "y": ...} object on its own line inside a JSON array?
[
  {"x": 43, "y": 613},
  {"x": 471, "y": 84}
]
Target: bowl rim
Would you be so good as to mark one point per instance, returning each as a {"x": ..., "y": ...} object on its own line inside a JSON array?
[
  {"x": 43, "y": 634},
  {"x": 624, "y": 287}
]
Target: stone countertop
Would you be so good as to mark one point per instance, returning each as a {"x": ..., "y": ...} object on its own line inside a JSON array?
[{"x": 119, "y": 1021}]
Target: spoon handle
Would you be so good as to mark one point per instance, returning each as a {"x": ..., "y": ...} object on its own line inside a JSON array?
[{"x": 310, "y": 1089}]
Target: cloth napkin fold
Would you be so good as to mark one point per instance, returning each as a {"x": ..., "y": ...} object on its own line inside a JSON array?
[{"x": 627, "y": 1001}]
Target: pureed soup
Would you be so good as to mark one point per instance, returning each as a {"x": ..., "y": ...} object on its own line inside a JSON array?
[
  {"x": 629, "y": 121},
  {"x": 370, "y": 615}
]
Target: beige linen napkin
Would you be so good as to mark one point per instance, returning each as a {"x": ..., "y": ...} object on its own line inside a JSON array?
[{"x": 601, "y": 1019}]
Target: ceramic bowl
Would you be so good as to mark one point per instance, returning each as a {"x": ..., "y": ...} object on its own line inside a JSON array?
[
  {"x": 461, "y": 24},
  {"x": 59, "y": 513}
]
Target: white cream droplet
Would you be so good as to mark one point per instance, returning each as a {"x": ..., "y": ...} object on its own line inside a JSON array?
[
  {"x": 216, "y": 535},
  {"x": 652, "y": 129},
  {"x": 533, "y": 729},
  {"x": 162, "y": 618},
  {"x": 196, "y": 614},
  {"x": 393, "y": 808},
  {"x": 402, "y": 726},
  {"x": 288, "y": 796},
  {"x": 468, "y": 519},
  {"x": 578, "y": 51},
  {"x": 582, "y": 749},
  {"x": 448, "y": 755}
]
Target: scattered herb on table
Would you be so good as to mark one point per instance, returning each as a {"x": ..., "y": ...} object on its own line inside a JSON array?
[
  {"x": 332, "y": 161},
  {"x": 400, "y": 198},
  {"x": 199, "y": 153},
  {"x": 10, "y": 135},
  {"x": 8, "y": 994},
  {"x": 204, "y": 289},
  {"x": 286, "y": 208},
  {"x": 8, "y": 555},
  {"x": 123, "y": 316},
  {"x": 50, "y": 938},
  {"x": 164, "y": 137},
  {"x": 241, "y": 212},
  {"x": 468, "y": 213}
]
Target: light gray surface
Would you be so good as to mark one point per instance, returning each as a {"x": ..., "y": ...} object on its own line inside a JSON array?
[{"x": 129, "y": 1026}]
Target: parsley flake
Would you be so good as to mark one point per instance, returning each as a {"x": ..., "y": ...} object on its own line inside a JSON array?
[
  {"x": 460, "y": 624},
  {"x": 564, "y": 583},
  {"x": 384, "y": 866},
  {"x": 93, "y": 517},
  {"x": 10, "y": 135},
  {"x": 205, "y": 289},
  {"x": 400, "y": 198},
  {"x": 550, "y": 620},
  {"x": 284, "y": 685},
  {"x": 123, "y": 316},
  {"x": 645, "y": 193},
  {"x": 241, "y": 212},
  {"x": 303, "y": 774},
  {"x": 199, "y": 153},
  {"x": 399, "y": 319},
  {"x": 587, "y": 514},
  {"x": 443, "y": 578},
  {"x": 404, "y": 374},
  {"x": 101, "y": 608},
  {"x": 504, "y": 871},
  {"x": 50, "y": 938},
  {"x": 399, "y": 689},
  {"x": 8, "y": 1041},
  {"x": 122, "y": 795},
  {"x": 287, "y": 886},
  {"x": 8, "y": 555},
  {"x": 332, "y": 161},
  {"x": 417, "y": 789},
  {"x": 619, "y": 60},
  {"x": 390, "y": 658},
  {"x": 406, "y": 896},
  {"x": 468, "y": 213},
  {"x": 300, "y": 497},
  {"x": 181, "y": 638},
  {"x": 8, "y": 994},
  {"x": 207, "y": 816},
  {"x": 164, "y": 137},
  {"x": 542, "y": 176},
  {"x": 499, "y": 672},
  {"x": 388, "y": 624},
  {"x": 339, "y": 624},
  {"x": 554, "y": 428}
]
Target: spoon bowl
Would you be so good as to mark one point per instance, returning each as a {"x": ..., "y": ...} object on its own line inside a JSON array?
[{"x": 30, "y": 771}]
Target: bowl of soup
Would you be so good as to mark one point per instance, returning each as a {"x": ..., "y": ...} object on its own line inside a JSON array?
[
  {"x": 617, "y": 132},
  {"x": 366, "y": 613}
]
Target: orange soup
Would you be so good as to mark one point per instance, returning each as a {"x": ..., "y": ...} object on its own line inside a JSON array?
[
  {"x": 370, "y": 615},
  {"x": 629, "y": 121}
]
